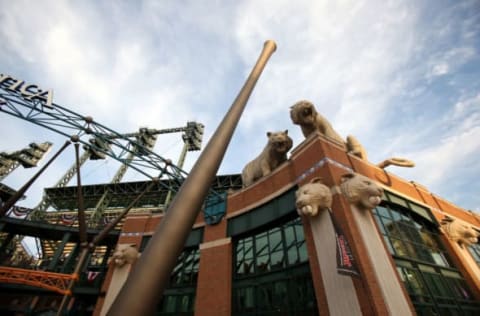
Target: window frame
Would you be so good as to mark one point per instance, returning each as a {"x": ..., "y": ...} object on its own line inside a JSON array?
[{"x": 440, "y": 287}]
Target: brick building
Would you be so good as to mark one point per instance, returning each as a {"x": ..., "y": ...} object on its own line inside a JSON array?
[{"x": 263, "y": 259}]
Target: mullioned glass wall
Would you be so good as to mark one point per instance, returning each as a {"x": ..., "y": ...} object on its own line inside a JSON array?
[
  {"x": 434, "y": 284},
  {"x": 475, "y": 252},
  {"x": 271, "y": 272},
  {"x": 179, "y": 296}
]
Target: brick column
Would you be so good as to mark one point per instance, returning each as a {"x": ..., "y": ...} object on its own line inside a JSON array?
[
  {"x": 214, "y": 283},
  {"x": 132, "y": 233},
  {"x": 214, "y": 288}
]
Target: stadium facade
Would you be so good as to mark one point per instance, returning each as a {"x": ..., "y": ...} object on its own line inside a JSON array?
[
  {"x": 259, "y": 257},
  {"x": 262, "y": 258}
]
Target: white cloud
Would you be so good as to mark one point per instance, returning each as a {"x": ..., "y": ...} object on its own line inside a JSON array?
[
  {"x": 344, "y": 56},
  {"x": 467, "y": 107},
  {"x": 440, "y": 69},
  {"x": 367, "y": 65},
  {"x": 448, "y": 151},
  {"x": 446, "y": 62}
]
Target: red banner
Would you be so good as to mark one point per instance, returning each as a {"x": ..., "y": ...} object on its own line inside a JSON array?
[{"x": 346, "y": 263}]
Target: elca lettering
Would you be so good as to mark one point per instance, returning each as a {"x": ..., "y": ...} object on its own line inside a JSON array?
[{"x": 28, "y": 91}]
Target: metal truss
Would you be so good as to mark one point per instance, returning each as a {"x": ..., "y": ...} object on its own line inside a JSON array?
[
  {"x": 56, "y": 282},
  {"x": 83, "y": 129}
]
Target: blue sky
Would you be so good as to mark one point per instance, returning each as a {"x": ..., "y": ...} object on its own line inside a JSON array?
[{"x": 402, "y": 76}]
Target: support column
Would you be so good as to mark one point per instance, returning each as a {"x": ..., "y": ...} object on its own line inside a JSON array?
[
  {"x": 6, "y": 242},
  {"x": 214, "y": 283},
  {"x": 378, "y": 282},
  {"x": 70, "y": 260},
  {"x": 339, "y": 289},
  {"x": 58, "y": 252},
  {"x": 214, "y": 288},
  {"x": 32, "y": 305},
  {"x": 315, "y": 268},
  {"x": 382, "y": 269},
  {"x": 4, "y": 246},
  {"x": 378, "y": 288}
]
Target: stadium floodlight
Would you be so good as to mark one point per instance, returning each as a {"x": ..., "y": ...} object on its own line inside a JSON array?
[
  {"x": 194, "y": 135},
  {"x": 32, "y": 155},
  {"x": 147, "y": 138},
  {"x": 98, "y": 148},
  {"x": 6, "y": 163}
]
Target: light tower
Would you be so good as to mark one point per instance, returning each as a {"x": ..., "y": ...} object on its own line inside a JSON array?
[
  {"x": 193, "y": 136},
  {"x": 28, "y": 157},
  {"x": 192, "y": 141}
]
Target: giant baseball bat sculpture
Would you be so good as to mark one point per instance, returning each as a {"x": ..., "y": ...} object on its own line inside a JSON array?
[{"x": 145, "y": 285}]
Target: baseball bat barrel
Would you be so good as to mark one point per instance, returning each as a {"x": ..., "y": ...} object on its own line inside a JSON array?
[{"x": 145, "y": 285}]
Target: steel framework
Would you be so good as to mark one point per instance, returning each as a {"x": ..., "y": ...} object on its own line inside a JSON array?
[
  {"x": 57, "y": 282},
  {"x": 68, "y": 123},
  {"x": 131, "y": 149}
]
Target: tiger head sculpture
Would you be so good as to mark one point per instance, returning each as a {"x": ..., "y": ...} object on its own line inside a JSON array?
[
  {"x": 313, "y": 197},
  {"x": 125, "y": 254},
  {"x": 461, "y": 233},
  {"x": 361, "y": 191}
]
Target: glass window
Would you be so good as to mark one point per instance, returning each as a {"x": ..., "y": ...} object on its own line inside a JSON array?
[
  {"x": 275, "y": 240},
  {"x": 434, "y": 285},
  {"x": 261, "y": 245},
  {"x": 176, "y": 304},
  {"x": 460, "y": 288},
  {"x": 383, "y": 211},
  {"x": 276, "y": 294},
  {"x": 413, "y": 283},
  {"x": 302, "y": 252},
  {"x": 273, "y": 249},
  {"x": 185, "y": 303},
  {"x": 410, "y": 235},
  {"x": 397, "y": 200},
  {"x": 169, "y": 304},
  {"x": 185, "y": 271},
  {"x": 280, "y": 281},
  {"x": 179, "y": 297},
  {"x": 278, "y": 259},
  {"x": 475, "y": 252},
  {"x": 245, "y": 299}
]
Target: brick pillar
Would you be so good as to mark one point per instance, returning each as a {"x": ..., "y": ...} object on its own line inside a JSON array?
[
  {"x": 317, "y": 279},
  {"x": 132, "y": 233},
  {"x": 214, "y": 284},
  {"x": 379, "y": 281}
]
